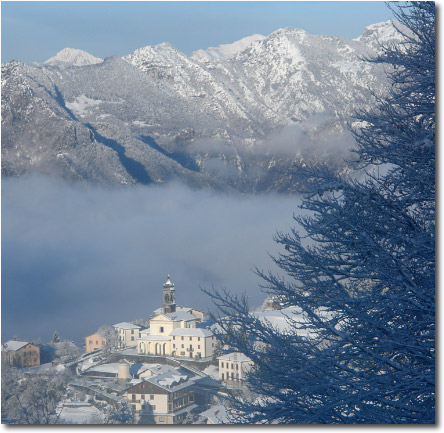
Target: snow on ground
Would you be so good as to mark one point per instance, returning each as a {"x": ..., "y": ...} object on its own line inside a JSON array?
[
  {"x": 212, "y": 371},
  {"x": 282, "y": 319},
  {"x": 106, "y": 368},
  {"x": 81, "y": 413},
  {"x": 82, "y": 104}
]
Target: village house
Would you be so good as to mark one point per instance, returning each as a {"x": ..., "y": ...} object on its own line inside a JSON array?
[
  {"x": 194, "y": 342},
  {"x": 127, "y": 334},
  {"x": 233, "y": 367},
  {"x": 163, "y": 399},
  {"x": 21, "y": 354},
  {"x": 94, "y": 341}
]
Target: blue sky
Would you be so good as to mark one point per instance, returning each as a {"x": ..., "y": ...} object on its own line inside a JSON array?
[{"x": 35, "y": 31}]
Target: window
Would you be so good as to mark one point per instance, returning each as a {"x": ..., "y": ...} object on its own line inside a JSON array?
[
  {"x": 142, "y": 396},
  {"x": 191, "y": 338},
  {"x": 151, "y": 397},
  {"x": 132, "y": 331},
  {"x": 161, "y": 419},
  {"x": 134, "y": 397},
  {"x": 132, "y": 338},
  {"x": 90, "y": 342},
  {"x": 181, "y": 339},
  {"x": 232, "y": 366},
  {"x": 198, "y": 346},
  {"x": 237, "y": 366},
  {"x": 174, "y": 346},
  {"x": 161, "y": 329},
  {"x": 97, "y": 342},
  {"x": 222, "y": 364},
  {"x": 174, "y": 338},
  {"x": 222, "y": 376},
  {"x": 182, "y": 346}
]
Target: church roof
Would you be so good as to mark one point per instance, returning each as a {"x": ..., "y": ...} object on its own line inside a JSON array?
[
  {"x": 192, "y": 332},
  {"x": 184, "y": 309},
  {"x": 168, "y": 283},
  {"x": 180, "y": 315}
]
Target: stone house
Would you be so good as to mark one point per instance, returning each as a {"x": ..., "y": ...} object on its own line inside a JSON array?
[{"x": 21, "y": 353}]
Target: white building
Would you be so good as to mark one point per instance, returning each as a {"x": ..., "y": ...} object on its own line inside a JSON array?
[
  {"x": 127, "y": 334},
  {"x": 174, "y": 332},
  {"x": 233, "y": 367},
  {"x": 192, "y": 342}
]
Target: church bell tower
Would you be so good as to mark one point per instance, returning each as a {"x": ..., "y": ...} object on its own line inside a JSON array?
[{"x": 169, "y": 297}]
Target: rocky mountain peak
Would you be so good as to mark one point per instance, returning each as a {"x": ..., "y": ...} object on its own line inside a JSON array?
[{"x": 74, "y": 57}]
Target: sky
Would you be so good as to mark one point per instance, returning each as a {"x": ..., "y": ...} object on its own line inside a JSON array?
[{"x": 36, "y": 31}]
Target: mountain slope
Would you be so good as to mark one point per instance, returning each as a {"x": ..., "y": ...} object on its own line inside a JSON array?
[{"x": 240, "y": 120}]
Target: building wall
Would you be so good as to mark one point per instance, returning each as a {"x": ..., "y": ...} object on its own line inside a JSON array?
[
  {"x": 160, "y": 325},
  {"x": 162, "y": 406},
  {"x": 198, "y": 314},
  {"x": 93, "y": 342},
  {"x": 233, "y": 370},
  {"x": 128, "y": 337},
  {"x": 198, "y": 345},
  {"x": 27, "y": 356},
  {"x": 154, "y": 347}
]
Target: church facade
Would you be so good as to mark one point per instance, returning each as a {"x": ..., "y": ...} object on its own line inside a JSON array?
[{"x": 174, "y": 330}]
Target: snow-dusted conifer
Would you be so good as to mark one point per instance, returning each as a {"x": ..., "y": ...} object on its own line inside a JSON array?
[{"x": 361, "y": 267}]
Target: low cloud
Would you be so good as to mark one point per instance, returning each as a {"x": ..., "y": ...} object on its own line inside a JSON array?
[
  {"x": 320, "y": 136},
  {"x": 75, "y": 256}
]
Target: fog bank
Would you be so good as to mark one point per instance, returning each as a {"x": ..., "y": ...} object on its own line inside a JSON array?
[{"x": 75, "y": 257}]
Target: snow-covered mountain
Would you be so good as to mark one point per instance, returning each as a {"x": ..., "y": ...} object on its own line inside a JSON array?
[
  {"x": 382, "y": 34},
  {"x": 225, "y": 51},
  {"x": 236, "y": 116},
  {"x": 74, "y": 57}
]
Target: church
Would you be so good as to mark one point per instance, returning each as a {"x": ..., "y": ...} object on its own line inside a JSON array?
[{"x": 175, "y": 331}]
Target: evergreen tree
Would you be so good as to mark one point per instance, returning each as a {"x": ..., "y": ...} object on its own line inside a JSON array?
[{"x": 360, "y": 268}]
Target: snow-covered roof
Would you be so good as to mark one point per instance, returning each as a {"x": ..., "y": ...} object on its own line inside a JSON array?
[
  {"x": 216, "y": 414},
  {"x": 184, "y": 309},
  {"x": 154, "y": 338},
  {"x": 235, "y": 356},
  {"x": 192, "y": 332},
  {"x": 14, "y": 345},
  {"x": 180, "y": 315},
  {"x": 154, "y": 368},
  {"x": 172, "y": 381},
  {"x": 126, "y": 325}
]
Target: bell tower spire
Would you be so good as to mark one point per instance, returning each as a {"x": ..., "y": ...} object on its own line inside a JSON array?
[{"x": 169, "y": 296}]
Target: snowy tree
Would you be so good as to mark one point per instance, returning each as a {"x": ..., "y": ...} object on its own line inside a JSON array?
[
  {"x": 66, "y": 349},
  {"x": 110, "y": 335},
  {"x": 31, "y": 399},
  {"x": 123, "y": 413},
  {"x": 55, "y": 337},
  {"x": 360, "y": 267}
]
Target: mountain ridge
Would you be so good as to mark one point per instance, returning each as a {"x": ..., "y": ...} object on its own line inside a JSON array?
[{"x": 241, "y": 121}]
